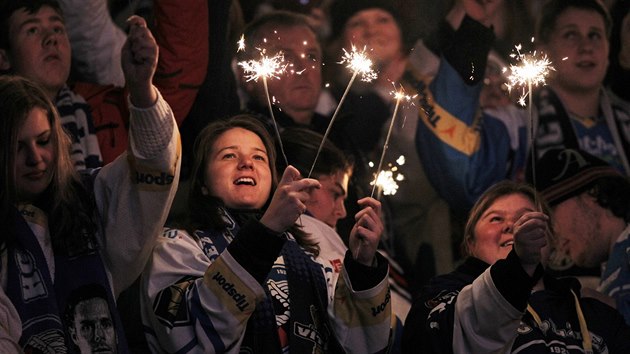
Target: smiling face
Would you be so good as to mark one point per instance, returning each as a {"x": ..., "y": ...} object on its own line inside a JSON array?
[
  {"x": 578, "y": 49},
  {"x": 377, "y": 29},
  {"x": 39, "y": 48},
  {"x": 327, "y": 203},
  {"x": 35, "y": 156},
  {"x": 493, "y": 237},
  {"x": 237, "y": 170}
]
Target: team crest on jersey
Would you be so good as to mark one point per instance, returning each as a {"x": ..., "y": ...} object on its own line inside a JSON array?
[{"x": 170, "y": 304}]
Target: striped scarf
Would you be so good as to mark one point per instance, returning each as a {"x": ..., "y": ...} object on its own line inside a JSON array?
[{"x": 76, "y": 119}]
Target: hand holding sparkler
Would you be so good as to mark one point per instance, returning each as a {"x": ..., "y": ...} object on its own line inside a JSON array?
[
  {"x": 399, "y": 95},
  {"x": 366, "y": 232},
  {"x": 359, "y": 63},
  {"x": 265, "y": 68}
]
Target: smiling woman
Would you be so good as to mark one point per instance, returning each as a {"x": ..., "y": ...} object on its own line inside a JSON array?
[
  {"x": 501, "y": 300},
  {"x": 248, "y": 278}
]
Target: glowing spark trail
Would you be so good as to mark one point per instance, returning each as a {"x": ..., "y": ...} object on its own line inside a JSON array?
[
  {"x": 359, "y": 63},
  {"x": 399, "y": 95},
  {"x": 531, "y": 71},
  {"x": 267, "y": 68},
  {"x": 386, "y": 180},
  {"x": 241, "y": 43}
]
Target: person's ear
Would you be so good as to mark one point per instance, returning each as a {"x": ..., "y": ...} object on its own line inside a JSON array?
[
  {"x": 5, "y": 63},
  {"x": 73, "y": 334}
]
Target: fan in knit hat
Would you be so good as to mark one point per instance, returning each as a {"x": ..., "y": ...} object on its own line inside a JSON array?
[
  {"x": 564, "y": 173},
  {"x": 342, "y": 10}
]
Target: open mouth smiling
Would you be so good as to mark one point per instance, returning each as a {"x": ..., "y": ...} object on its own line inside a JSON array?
[
  {"x": 507, "y": 243},
  {"x": 248, "y": 181}
]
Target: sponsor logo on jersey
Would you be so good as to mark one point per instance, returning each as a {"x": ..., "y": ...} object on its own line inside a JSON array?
[
  {"x": 380, "y": 308},
  {"x": 240, "y": 299},
  {"x": 148, "y": 178}
]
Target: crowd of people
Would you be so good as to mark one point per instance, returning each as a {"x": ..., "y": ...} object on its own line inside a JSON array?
[{"x": 158, "y": 197}]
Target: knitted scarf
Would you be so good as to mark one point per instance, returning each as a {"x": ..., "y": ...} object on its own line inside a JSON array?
[
  {"x": 310, "y": 330},
  {"x": 76, "y": 119},
  {"x": 43, "y": 304},
  {"x": 554, "y": 127}
]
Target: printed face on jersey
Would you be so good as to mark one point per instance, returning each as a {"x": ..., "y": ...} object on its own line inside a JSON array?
[
  {"x": 238, "y": 170},
  {"x": 93, "y": 330}
]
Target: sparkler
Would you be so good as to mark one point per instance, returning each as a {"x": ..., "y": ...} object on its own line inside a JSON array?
[
  {"x": 532, "y": 71},
  {"x": 359, "y": 63},
  {"x": 399, "y": 95},
  {"x": 265, "y": 68},
  {"x": 387, "y": 180}
]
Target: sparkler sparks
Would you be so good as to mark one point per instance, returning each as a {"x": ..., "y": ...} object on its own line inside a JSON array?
[
  {"x": 359, "y": 63},
  {"x": 531, "y": 71},
  {"x": 387, "y": 180},
  {"x": 241, "y": 43},
  {"x": 399, "y": 95},
  {"x": 267, "y": 68}
]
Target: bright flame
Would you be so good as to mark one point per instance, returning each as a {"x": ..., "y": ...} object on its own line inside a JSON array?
[
  {"x": 358, "y": 62},
  {"x": 387, "y": 179},
  {"x": 531, "y": 71},
  {"x": 241, "y": 43},
  {"x": 267, "y": 67},
  {"x": 400, "y": 95}
]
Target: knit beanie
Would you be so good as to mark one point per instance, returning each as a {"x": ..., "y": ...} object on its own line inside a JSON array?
[
  {"x": 342, "y": 10},
  {"x": 565, "y": 173}
]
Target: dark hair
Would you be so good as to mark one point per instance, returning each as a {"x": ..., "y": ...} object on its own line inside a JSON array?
[
  {"x": 253, "y": 33},
  {"x": 201, "y": 214},
  {"x": 613, "y": 193},
  {"x": 8, "y": 7},
  {"x": 488, "y": 197},
  {"x": 204, "y": 211},
  {"x": 301, "y": 146},
  {"x": 67, "y": 203},
  {"x": 554, "y": 8}
]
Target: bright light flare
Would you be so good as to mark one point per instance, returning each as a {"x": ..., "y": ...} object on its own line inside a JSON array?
[
  {"x": 400, "y": 95},
  {"x": 267, "y": 67},
  {"x": 241, "y": 44},
  {"x": 531, "y": 70},
  {"x": 387, "y": 180},
  {"x": 358, "y": 62}
]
